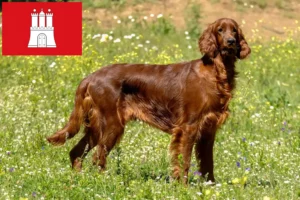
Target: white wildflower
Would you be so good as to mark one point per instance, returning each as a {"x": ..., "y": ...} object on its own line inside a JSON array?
[
  {"x": 154, "y": 48},
  {"x": 159, "y": 15},
  {"x": 128, "y": 36},
  {"x": 96, "y": 36},
  {"x": 117, "y": 40},
  {"x": 52, "y": 64},
  {"x": 104, "y": 38},
  {"x": 208, "y": 183}
]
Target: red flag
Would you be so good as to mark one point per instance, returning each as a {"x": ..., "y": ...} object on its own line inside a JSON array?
[{"x": 40, "y": 28}]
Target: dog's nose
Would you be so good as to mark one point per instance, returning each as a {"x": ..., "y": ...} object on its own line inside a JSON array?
[{"x": 231, "y": 41}]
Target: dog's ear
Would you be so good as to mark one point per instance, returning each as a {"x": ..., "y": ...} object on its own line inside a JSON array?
[
  {"x": 243, "y": 47},
  {"x": 208, "y": 43}
]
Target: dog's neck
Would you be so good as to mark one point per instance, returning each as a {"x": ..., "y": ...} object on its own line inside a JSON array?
[
  {"x": 225, "y": 76},
  {"x": 229, "y": 63},
  {"x": 221, "y": 63}
]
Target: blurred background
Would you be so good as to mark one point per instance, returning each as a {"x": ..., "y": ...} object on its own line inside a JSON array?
[{"x": 261, "y": 19}]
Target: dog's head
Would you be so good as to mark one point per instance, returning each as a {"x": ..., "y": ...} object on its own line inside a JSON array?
[{"x": 225, "y": 37}]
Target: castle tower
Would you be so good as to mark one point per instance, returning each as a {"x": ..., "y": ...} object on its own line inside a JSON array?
[
  {"x": 34, "y": 19},
  {"x": 49, "y": 19},
  {"x": 42, "y": 19}
]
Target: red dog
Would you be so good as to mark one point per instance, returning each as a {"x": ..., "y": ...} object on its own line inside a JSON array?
[{"x": 187, "y": 100}]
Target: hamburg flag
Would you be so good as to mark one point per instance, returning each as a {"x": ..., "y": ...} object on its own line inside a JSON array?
[{"x": 41, "y": 28}]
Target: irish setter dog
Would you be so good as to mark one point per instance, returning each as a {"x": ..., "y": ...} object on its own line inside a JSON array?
[{"x": 188, "y": 100}]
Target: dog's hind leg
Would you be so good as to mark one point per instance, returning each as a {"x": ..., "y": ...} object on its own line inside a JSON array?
[
  {"x": 88, "y": 142},
  {"x": 111, "y": 136},
  {"x": 93, "y": 131}
]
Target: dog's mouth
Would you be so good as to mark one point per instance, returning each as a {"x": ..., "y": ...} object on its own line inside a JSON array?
[{"x": 228, "y": 51}]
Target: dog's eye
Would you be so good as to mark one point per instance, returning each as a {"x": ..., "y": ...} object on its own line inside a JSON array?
[
  {"x": 220, "y": 30},
  {"x": 234, "y": 30}
]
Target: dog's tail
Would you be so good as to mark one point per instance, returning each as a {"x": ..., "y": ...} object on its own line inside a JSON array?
[{"x": 80, "y": 115}]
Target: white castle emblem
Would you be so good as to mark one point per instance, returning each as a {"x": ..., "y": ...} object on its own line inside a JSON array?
[{"x": 41, "y": 34}]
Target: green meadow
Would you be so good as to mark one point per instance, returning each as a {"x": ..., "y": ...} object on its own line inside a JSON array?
[{"x": 257, "y": 151}]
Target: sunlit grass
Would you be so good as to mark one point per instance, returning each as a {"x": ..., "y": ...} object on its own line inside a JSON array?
[{"x": 256, "y": 151}]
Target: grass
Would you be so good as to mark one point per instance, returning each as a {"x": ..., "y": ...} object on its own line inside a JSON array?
[
  {"x": 280, "y": 4},
  {"x": 116, "y": 4},
  {"x": 256, "y": 151}
]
